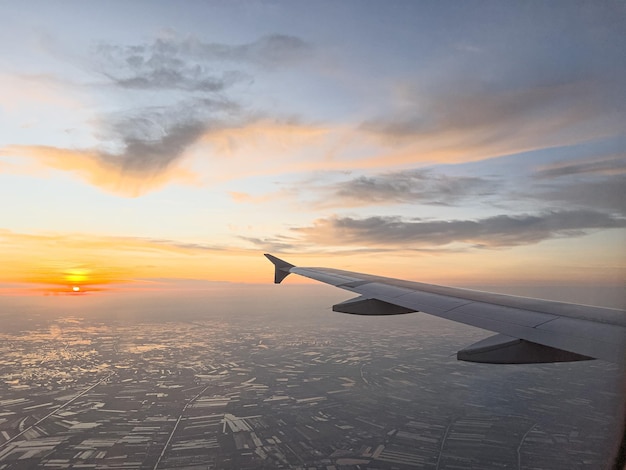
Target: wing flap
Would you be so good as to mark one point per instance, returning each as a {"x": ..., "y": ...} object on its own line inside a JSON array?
[
  {"x": 502, "y": 349},
  {"x": 365, "y": 306}
]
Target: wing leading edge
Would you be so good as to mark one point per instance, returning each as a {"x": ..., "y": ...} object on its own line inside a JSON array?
[{"x": 529, "y": 330}]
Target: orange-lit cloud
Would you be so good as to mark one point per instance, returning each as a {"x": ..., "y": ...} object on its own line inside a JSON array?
[
  {"x": 458, "y": 128},
  {"x": 91, "y": 167},
  {"x": 260, "y": 148}
]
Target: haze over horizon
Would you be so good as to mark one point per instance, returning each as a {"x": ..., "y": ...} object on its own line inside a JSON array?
[{"x": 154, "y": 144}]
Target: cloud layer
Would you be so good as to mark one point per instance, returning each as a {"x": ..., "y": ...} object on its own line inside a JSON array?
[
  {"x": 190, "y": 64},
  {"x": 490, "y": 232},
  {"x": 596, "y": 183},
  {"x": 175, "y": 92},
  {"x": 466, "y": 122},
  {"x": 409, "y": 186},
  {"x": 606, "y": 165},
  {"x": 144, "y": 141}
]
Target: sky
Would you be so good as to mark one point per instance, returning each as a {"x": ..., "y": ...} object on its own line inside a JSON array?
[{"x": 163, "y": 145}]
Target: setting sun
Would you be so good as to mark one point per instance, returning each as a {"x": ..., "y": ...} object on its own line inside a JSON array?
[{"x": 76, "y": 289}]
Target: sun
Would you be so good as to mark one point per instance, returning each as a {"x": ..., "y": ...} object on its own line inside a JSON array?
[{"x": 76, "y": 289}]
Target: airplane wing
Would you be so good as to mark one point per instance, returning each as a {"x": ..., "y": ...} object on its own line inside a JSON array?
[{"x": 529, "y": 330}]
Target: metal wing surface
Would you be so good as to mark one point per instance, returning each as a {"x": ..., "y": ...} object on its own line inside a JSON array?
[{"x": 529, "y": 330}]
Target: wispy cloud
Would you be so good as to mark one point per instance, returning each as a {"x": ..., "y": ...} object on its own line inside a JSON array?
[
  {"x": 606, "y": 194},
  {"x": 605, "y": 165},
  {"x": 278, "y": 244},
  {"x": 95, "y": 168},
  {"x": 143, "y": 143},
  {"x": 469, "y": 121},
  {"x": 491, "y": 232},
  {"x": 596, "y": 183},
  {"x": 152, "y": 138},
  {"x": 204, "y": 100},
  {"x": 188, "y": 63},
  {"x": 408, "y": 186},
  {"x": 415, "y": 186},
  {"x": 231, "y": 149}
]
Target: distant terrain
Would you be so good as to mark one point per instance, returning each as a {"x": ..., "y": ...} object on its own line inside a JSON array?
[{"x": 231, "y": 390}]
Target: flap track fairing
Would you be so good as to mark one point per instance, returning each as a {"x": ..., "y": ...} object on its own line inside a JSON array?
[
  {"x": 503, "y": 349},
  {"x": 366, "y": 306}
]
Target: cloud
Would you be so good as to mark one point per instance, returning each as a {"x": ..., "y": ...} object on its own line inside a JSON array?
[
  {"x": 407, "y": 186},
  {"x": 491, "y": 232},
  {"x": 155, "y": 148},
  {"x": 172, "y": 62},
  {"x": 463, "y": 122},
  {"x": 153, "y": 138},
  {"x": 596, "y": 183},
  {"x": 606, "y": 165},
  {"x": 142, "y": 145},
  {"x": 147, "y": 156},
  {"x": 106, "y": 171},
  {"x": 606, "y": 194},
  {"x": 470, "y": 111},
  {"x": 279, "y": 244},
  {"x": 424, "y": 186},
  {"x": 303, "y": 247}
]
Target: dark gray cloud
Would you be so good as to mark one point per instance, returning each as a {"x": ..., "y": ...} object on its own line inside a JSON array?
[
  {"x": 193, "y": 65},
  {"x": 607, "y": 194},
  {"x": 592, "y": 183},
  {"x": 609, "y": 165},
  {"x": 151, "y": 139},
  {"x": 497, "y": 231},
  {"x": 146, "y": 140},
  {"x": 409, "y": 186}
]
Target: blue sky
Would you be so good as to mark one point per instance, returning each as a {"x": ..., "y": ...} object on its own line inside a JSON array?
[{"x": 439, "y": 141}]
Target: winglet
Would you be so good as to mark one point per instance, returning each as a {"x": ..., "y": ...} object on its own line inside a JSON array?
[{"x": 281, "y": 268}]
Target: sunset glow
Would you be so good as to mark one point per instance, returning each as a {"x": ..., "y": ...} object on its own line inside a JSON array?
[
  {"x": 191, "y": 142},
  {"x": 77, "y": 276}
]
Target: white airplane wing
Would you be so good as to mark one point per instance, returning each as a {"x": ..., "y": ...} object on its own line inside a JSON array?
[{"x": 529, "y": 330}]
